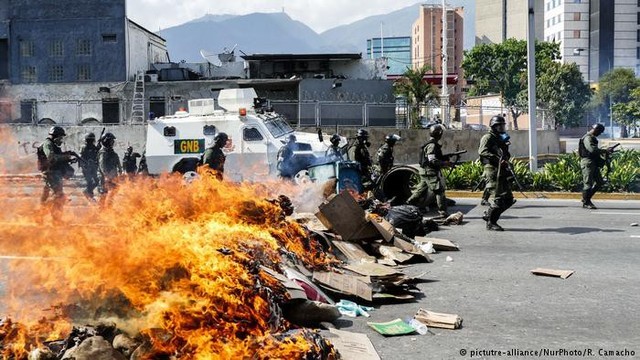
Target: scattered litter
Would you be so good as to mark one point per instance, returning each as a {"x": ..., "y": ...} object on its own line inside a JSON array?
[
  {"x": 392, "y": 328},
  {"x": 438, "y": 320},
  {"x": 344, "y": 284},
  {"x": 420, "y": 328},
  {"x": 310, "y": 313},
  {"x": 634, "y": 224},
  {"x": 454, "y": 219},
  {"x": 427, "y": 247},
  {"x": 552, "y": 272},
  {"x": 352, "y": 252},
  {"x": 343, "y": 215},
  {"x": 438, "y": 244},
  {"x": 449, "y": 259},
  {"x": 353, "y": 346},
  {"x": 349, "y": 308}
]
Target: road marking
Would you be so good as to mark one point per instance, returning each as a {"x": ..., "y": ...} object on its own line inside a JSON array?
[{"x": 614, "y": 213}]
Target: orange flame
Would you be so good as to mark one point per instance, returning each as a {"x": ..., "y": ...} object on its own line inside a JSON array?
[{"x": 176, "y": 262}]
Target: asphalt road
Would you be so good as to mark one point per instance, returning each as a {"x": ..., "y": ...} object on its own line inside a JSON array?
[{"x": 505, "y": 307}]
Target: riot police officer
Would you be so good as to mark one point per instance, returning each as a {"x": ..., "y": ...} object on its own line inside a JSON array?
[
  {"x": 285, "y": 162},
  {"x": 214, "y": 157},
  {"x": 54, "y": 165},
  {"x": 592, "y": 159},
  {"x": 334, "y": 152},
  {"x": 360, "y": 154},
  {"x": 129, "y": 162},
  {"x": 385, "y": 153},
  {"x": 108, "y": 165},
  {"x": 89, "y": 153},
  {"x": 432, "y": 160},
  {"x": 494, "y": 154}
]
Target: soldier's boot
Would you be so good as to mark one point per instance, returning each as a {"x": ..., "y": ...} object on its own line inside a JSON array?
[
  {"x": 586, "y": 199},
  {"x": 493, "y": 214}
]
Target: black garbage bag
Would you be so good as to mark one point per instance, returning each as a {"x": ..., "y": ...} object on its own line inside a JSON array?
[{"x": 409, "y": 219}]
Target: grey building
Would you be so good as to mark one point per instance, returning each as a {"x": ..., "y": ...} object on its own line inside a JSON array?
[{"x": 64, "y": 63}]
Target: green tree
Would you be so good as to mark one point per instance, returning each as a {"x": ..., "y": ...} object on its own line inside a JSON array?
[
  {"x": 615, "y": 87},
  {"x": 502, "y": 68},
  {"x": 563, "y": 92},
  {"x": 415, "y": 90},
  {"x": 628, "y": 113}
]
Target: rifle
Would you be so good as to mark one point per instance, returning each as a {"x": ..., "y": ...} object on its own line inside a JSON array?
[
  {"x": 100, "y": 138},
  {"x": 479, "y": 184},
  {"x": 607, "y": 160},
  {"x": 507, "y": 166},
  {"x": 76, "y": 157},
  {"x": 457, "y": 156}
]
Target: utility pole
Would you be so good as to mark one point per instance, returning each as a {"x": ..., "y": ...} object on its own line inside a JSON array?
[
  {"x": 531, "y": 70},
  {"x": 444, "y": 96}
]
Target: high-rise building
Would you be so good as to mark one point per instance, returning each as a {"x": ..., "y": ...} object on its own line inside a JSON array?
[
  {"x": 598, "y": 35},
  {"x": 397, "y": 51},
  {"x": 427, "y": 40},
  {"x": 498, "y": 20}
]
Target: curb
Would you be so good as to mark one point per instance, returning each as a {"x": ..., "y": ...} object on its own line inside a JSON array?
[{"x": 548, "y": 195}]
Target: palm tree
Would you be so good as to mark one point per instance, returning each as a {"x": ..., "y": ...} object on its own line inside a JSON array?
[{"x": 415, "y": 90}]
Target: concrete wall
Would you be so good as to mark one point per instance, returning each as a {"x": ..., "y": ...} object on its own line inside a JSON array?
[
  {"x": 18, "y": 142},
  {"x": 145, "y": 49}
]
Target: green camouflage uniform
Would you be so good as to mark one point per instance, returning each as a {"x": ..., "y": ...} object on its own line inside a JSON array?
[
  {"x": 431, "y": 178},
  {"x": 110, "y": 168},
  {"x": 385, "y": 158},
  {"x": 360, "y": 153},
  {"x": 592, "y": 160},
  {"x": 57, "y": 167},
  {"x": 89, "y": 153},
  {"x": 492, "y": 150}
]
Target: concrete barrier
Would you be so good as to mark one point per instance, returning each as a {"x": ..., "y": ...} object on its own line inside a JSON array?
[{"x": 18, "y": 143}]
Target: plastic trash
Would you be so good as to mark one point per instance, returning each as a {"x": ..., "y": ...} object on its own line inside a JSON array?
[
  {"x": 449, "y": 259},
  {"x": 427, "y": 248},
  {"x": 349, "y": 308},
  {"x": 420, "y": 328}
]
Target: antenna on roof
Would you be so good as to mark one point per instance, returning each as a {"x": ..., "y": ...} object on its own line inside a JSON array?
[{"x": 211, "y": 58}]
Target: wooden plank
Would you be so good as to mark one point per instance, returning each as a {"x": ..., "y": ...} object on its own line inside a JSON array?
[{"x": 552, "y": 272}]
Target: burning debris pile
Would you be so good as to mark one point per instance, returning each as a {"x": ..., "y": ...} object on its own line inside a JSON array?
[{"x": 202, "y": 270}]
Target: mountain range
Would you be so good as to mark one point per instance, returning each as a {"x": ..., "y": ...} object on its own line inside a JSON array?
[{"x": 274, "y": 33}]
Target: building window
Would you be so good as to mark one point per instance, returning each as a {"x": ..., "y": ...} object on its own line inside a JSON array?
[
  {"x": 638, "y": 53},
  {"x": 576, "y": 16},
  {"x": 84, "y": 72},
  {"x": 83, "y": 47},
  {"x": 29, "y": 74},
  {"x": 639, "y": 18},
  {"x": 559, "y": 37},
  {"x": 638, "y": 36},
  {"x": 576, "y": 34},
  {"x": 109, "y": 38},
  {"x": 27, "y": 48},
  {"x": 56, "y": 73},
  {"x": 56, "y": 48}
]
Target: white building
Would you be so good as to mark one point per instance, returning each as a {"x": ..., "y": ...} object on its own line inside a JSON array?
[{"x": 598, "y": 35}]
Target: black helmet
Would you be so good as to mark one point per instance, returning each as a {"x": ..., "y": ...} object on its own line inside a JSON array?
[
  {"x": 90, "y": 136},
  {"x": 436, "y": 130},
  {"x": 108, "y": 136},
  {"x": 57, "y": 131},
  {"x": 497, "y": 120},
  {"x": 599, "y": 127},
  {"x": 391, "y": 139},
  {"x": 221, "y": 138},
  {"x": 292, "y": 138},
  {"x": 335, "y": 139},
  {"x": 362, "y": 133}
]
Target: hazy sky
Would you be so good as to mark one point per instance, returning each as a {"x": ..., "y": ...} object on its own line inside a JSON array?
[{"x": 320, "y": 15}]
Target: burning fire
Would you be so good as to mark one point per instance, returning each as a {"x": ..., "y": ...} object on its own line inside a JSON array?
[{"x": 178, "y": 263}]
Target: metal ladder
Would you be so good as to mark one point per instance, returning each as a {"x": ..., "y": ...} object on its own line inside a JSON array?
[{"x": 137, "y": 106}]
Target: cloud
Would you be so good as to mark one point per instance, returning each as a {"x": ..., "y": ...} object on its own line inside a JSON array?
[{"x": 319, "y": 15}]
